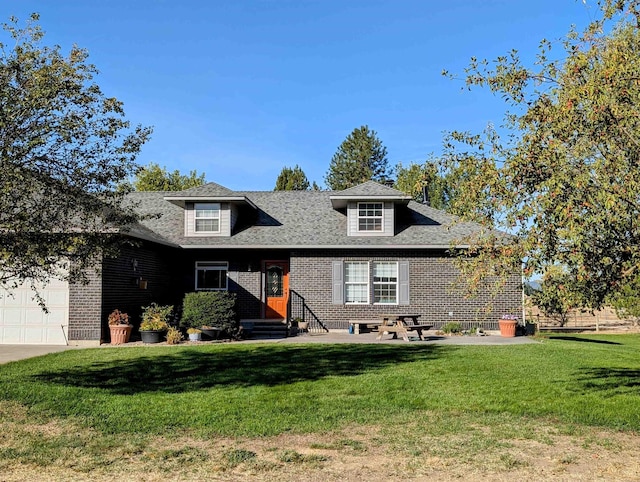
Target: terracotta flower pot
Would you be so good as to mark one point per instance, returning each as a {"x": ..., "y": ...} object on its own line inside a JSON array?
[
  {"x": 507, "y": 328},
  {"x": 120, "y": 334}
]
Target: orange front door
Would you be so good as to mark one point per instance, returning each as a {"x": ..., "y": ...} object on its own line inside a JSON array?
[{"x": 276, "y": 288}]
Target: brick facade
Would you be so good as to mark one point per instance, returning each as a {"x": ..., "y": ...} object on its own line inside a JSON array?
[
  {"x": 431, "y": 278},
  {"x": 170, "y": 273},
  {"x": 85, "y": 304}
]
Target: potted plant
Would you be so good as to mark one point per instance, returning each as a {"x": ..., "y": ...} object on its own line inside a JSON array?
[
  {"x": 155, "y": 322},
  {"x": 301, "y": 324},
  {"x": 508, "y": 325},
  {"x": 194, "y": 334},
  {"x": 119, "y": 327}
]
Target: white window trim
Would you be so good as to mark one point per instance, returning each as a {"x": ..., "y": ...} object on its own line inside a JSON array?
[
  {"x": 368, "y": 283},
  {"x": 201, "y": 218},
  {"x": 222, "y": 266},
  {"x": 397, "y": 283},
  {"x": 381, "y": 217}
]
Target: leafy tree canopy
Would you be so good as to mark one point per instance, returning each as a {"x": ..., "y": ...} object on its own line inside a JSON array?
[
  {"x": 626, "y": 300},
  {"x": 557, "y": 296},
  {"x": 156, "y": 178},
  {"x": 415, "y": 179},
  {"x": 361, "y": 157},
  {"x": 562, "y": 174},
  {"x": 64, "y": 147},
  {"x": 292, "y": 180}
]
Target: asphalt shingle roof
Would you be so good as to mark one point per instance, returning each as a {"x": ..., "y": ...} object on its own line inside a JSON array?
[{"x": 296, "y": 219}]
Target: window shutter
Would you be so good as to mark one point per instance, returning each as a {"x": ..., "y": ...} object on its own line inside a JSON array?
[
  {"x": 403, "y": 282},
  {"x": 337, "y": 297}
]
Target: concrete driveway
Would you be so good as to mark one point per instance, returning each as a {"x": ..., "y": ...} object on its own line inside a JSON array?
[{"x": 10, "y": 353}]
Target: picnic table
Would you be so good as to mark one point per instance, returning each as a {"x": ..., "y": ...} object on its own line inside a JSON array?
[{"x": 401, "y": 324}]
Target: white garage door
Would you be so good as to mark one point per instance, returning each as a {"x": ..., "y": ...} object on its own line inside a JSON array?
[{"x": 22, "y": 321}]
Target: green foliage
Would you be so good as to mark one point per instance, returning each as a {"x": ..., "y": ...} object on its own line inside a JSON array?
[
  {"x": 173, "y": 336},
  {"x": 235, "y": 457},
  {"x": 156, "y": 178},
  {"x": 626, "y": 300},
  {"x": 452, "y": 328},
  {"x": 210, "y": 308},
  {"x": 361, "y": 157},
  {"x": 414, "y": 178},
  {"x": 292, "y": 180},
  {"x": 65, "y": 147},
  {"x": 156, "y": 317},
  {"x": 565, "y": 178},
  {"x": 558, "y": 295}
]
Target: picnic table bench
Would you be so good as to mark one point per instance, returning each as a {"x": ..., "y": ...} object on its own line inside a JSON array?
[
  {"x": 397, "y": 325},
  {"x": 357, "y": 324}
]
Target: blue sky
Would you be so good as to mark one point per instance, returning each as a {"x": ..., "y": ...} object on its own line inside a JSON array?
[{"x": 240, "y": 89}]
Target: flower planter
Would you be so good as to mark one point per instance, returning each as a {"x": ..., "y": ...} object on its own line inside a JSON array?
[
  {"x": 508, "y": 328},
  {"x": 152, "y": 336},
  {"x": 212, "y": 333},
  {"x": 120, "y": 334},
  {"x": 195, "y": 336}
]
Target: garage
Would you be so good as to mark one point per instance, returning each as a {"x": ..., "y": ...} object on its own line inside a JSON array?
[{"x": 22, "y": 320}]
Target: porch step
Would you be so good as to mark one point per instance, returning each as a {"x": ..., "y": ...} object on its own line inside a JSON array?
[{"x": 266, "y": 328}]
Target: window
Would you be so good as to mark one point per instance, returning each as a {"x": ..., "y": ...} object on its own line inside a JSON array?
[
  {"x": 370, "y": 282},
  {"x": 369, "y": 216},
  {"x": 207, "y": 217},
  {"x": 385, "y": 283},
  {"x": 356, "y": 282},
  {"x": 211, "y": 275}
]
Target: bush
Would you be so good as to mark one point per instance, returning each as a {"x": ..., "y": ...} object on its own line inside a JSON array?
[
  {"x": 452, "y": 328},
  {"x": 156, "y": 317},
  {"x": 210, "y": 308},
  {"x": 173, "y": 336}
]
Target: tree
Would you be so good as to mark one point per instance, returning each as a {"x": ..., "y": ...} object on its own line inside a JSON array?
[
  {"x": 156, "y": 178},
  {"x": 562, "y": 175},
  {"x": 416, "y": 177},
  {"x": 361, "y": 157},
  {"x": 64, "y": 147},
  {"x": 626, "y": 301},
  {"x": 557, "y": 295},
  {"x": 292, "y": 180}
]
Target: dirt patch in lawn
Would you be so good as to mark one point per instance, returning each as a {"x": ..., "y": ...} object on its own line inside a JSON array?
[{"x": 420, "y": 450}]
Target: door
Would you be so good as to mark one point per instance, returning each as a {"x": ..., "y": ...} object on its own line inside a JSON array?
[
  {"x": 22, "y": 320},
  {"x": 276, "y": 288}
]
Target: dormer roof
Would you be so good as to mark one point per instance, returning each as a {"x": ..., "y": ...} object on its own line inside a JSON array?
[
  {"x": 210, "y": 192},
  {"x": 368, "y": 191}
]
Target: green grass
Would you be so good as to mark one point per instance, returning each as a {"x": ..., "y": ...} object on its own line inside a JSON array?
[{"x": 268, "y": 389}]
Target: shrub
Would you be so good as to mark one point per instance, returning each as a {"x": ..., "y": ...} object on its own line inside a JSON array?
[
  {"x": 156, "y": 317},
  {"x": 210, "y": 308},
  {"x": 452, "y": 328},
  {"x": 193, "y": 331},
  {"x": 173, "y": 336}
]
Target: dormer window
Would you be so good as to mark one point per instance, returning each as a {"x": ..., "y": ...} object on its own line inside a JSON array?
[
  {"x": 370, "y": 216},
  {"x": 207, "y": 217}
]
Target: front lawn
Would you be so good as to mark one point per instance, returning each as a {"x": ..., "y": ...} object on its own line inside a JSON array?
[{"x": 266, "y": 390}]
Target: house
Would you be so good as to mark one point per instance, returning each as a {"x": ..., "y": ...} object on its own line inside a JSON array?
[{"x": 331, "y": 256}]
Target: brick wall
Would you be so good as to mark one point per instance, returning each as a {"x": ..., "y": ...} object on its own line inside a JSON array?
[
  {"x": 121, "y": 281},
  {"x": 85, "y": 303},
  {"x": 431, "y": 275}
]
